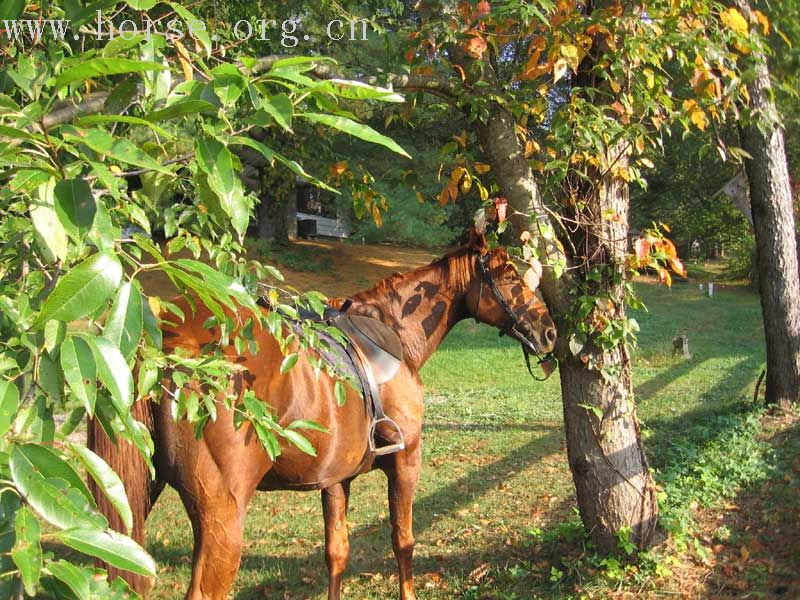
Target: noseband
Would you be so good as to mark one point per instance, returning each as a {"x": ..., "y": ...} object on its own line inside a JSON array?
[{"x": 513, "y": 324}]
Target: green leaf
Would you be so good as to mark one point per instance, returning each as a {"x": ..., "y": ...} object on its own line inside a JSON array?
[
  {"x": 83, "y": 290},
  {"x": 305, "y": 424},
  {"x": 228, "y": 83},
  {"x": 190, "y": 20},
  {"x": 50, "y": 495},
  {"x": 53, "y": 465},
  {"x": 299, "y": 440},
  {"x": 288, "y": 362},
  {"x": 75, "y": 206},
  {"x": 216, "y": 160},
  {"x": 359, "y": 130},
  {"x": 125, "y": 321},
  {"x": 339, "y": 392},
  {"x": 358, "y": 90},
  {"x": 51, "y": 236},
  {"x": 280, "y": 108},
  {"x": 113, "y": 371},
  {"x": 596, "y": 410},
  {"x": 80, "y": 371},
  {"x": 119, "y": 149},
  {"x": 151, "y": 327},
  {"x": 94, "y": 119},
  {"x": 27, "y": 551},
  {"x": 54, "y": 333},
  {"x": 272, "y": 156},
  {"x": 77, "y": 579},
  {"x": 308, "y": 61},
  {"x": 107, "y": 481},
  {"x": 180, "y": 109},
  {"x": 114, "y": 548},
  {"x": 96, "y": 67},
  {"x": 147, "y": 377},
  {"x": 9, "y": 403}
]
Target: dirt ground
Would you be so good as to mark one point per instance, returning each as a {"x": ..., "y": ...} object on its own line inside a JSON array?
[{"x": 346, "y": 268}]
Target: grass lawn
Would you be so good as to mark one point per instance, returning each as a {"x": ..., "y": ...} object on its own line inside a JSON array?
[{"x": 494, "y": 514}]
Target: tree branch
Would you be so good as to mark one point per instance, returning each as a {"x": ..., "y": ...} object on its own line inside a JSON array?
[{"x": 440, "y": 86}]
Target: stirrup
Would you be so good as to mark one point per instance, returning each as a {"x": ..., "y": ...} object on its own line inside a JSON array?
[{"x": 390, "y": 448}]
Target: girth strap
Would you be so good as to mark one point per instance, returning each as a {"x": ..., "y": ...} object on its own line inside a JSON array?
[{"x": 372, "y": 391}]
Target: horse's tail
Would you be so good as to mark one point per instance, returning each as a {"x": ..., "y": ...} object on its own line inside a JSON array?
[{"x": 124, "y": 458}]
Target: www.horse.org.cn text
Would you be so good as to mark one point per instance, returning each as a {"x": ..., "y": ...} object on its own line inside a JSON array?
[{"x": 288, "y": 33}]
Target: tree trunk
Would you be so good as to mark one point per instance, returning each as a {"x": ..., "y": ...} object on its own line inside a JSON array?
[
  {"x": 613, "y": 484},
  {"x": 774, "y": 226}
]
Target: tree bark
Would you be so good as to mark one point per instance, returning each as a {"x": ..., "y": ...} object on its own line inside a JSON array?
[
  {"x": 613, "y": 484},
  {"x": 774, "y": 226}
]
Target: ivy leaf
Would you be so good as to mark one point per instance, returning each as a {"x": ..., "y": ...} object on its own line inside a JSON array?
[{"x": 83, "y": 290}]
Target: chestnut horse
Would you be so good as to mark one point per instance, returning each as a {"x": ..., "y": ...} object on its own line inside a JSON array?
[{"x": 217, "y": 474}]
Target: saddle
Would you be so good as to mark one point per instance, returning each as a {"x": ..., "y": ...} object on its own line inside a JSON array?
[{"x": 373, "y": 354}]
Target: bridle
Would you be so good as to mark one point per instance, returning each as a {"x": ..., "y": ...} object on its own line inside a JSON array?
[{"x": 513, "y": 326}]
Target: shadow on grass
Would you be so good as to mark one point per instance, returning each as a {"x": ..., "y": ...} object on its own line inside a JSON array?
[{"x": 766, "y": 523}]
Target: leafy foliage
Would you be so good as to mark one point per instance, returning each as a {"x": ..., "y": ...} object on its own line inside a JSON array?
[{"x": 81, "y": 193}]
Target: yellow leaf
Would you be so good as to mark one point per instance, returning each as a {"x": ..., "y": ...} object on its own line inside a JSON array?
[
  {"x": 482, "y": 191},
  {"x": 733, "y": 19},
  {"x": 699, "y": 118},
  {"x": 482, "y": 168},
  {"x": 647, "y": 162},
  {"x": 420, "y": 197},
  {"x": 615, "y": 87},
  {"x": 457, "y": 174},
  {"x": 559, "y": 69},
  {"x": 466, "y": 182},
  {"x": 762, "y": 20},
  {"x": 572, "y": 55},
  {"x": 650, "y": 78},
  {"x": 183, "y": 57}
]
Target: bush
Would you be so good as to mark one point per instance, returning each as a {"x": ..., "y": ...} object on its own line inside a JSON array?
[{"x": 407, "y": 221}]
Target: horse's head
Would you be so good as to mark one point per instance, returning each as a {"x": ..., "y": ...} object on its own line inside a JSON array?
[{"x": 498, "y": 295}]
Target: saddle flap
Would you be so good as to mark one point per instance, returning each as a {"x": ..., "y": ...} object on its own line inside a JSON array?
[{"x": 377, "y": 342}]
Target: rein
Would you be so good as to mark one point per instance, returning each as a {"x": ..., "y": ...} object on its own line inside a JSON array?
[{"x": 513, "y": 324}]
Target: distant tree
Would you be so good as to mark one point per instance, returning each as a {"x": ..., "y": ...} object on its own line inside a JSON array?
[{"x": 775, "y": 230}]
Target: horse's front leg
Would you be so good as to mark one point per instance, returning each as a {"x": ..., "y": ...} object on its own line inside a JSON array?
[
  {"x": 337, "y": 542},
  {"x": 403, "y": 475}
]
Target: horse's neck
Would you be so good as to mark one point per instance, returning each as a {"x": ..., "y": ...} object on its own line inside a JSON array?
[{"x": 421, "y": 306}]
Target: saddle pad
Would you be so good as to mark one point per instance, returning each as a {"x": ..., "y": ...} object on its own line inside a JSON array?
[{"x": 378, "y": 343}]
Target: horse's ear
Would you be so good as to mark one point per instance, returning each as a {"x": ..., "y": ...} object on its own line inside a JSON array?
[{"x": 477, "y": 241}]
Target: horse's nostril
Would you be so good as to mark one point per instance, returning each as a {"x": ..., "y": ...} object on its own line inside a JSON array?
[{"x": 550, "y": 335}]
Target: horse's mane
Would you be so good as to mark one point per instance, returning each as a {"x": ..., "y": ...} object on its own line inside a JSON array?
[{"x": 455, "y": 268}]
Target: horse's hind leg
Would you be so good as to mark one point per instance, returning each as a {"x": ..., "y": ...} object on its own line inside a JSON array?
[
  {"x": 403, "y": 475},
  {"x": 337, "y": 543}
]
